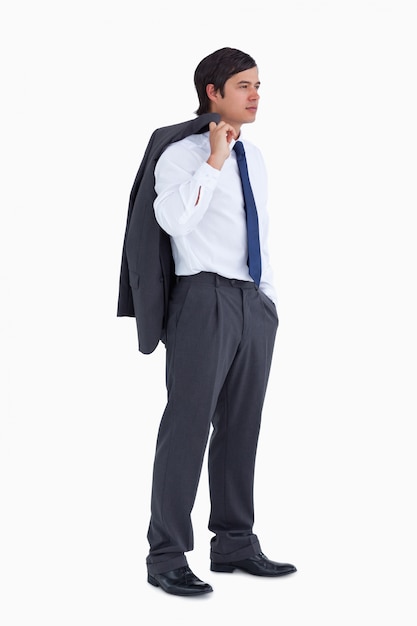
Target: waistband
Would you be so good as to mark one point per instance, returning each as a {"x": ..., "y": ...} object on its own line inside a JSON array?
[{"x": 210, "y": 278}]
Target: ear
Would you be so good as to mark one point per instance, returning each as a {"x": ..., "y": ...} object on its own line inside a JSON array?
[{"x": 212, "y": 93}]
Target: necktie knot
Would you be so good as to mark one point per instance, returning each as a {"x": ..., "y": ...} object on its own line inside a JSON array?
[{"x": 239, "y": 149}]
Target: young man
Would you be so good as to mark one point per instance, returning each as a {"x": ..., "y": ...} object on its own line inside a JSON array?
[{"x": 219, "y": 334}]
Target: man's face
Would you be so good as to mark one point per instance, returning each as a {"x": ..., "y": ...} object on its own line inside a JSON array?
[{"x": 240, "y": 101}]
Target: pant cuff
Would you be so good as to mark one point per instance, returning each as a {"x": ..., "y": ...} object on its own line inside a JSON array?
[
  {"x": 237, "y": 555},
  {"x": 167, "y": 565}
]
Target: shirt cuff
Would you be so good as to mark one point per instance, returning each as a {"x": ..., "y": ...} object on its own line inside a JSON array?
[{"x": 207, "y": 176}]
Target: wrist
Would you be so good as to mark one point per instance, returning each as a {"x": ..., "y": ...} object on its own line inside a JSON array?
[{"x": 215, "y": 161}]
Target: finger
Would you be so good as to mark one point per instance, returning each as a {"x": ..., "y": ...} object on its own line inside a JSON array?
[
  {"x": 231, "y": 134},
  {"x": 227, "y": 128}
]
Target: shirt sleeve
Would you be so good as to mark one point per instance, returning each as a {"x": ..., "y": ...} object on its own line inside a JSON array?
[
  {"x": 260, "y": 184},
  {"x": 267, "y": 279},
  {"x": 267, "y": 284},
  {"x": 184, "y": 184}
]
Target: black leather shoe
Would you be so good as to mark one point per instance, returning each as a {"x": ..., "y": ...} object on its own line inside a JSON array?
[
  {"x": 258, "y": 565},
  {"x": 180, "y": 582}
]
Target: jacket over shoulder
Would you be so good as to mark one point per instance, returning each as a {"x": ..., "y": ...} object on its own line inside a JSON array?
[{"x": 147, "y": 269}]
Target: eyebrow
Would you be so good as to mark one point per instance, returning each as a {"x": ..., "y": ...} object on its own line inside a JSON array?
[{"x": 248, "y": 82}]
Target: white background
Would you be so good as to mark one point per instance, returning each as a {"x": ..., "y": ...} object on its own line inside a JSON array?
[{"x": 83, "y": 86}]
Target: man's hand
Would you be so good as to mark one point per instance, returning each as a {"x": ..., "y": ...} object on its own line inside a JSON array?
[{"x": 221, "y": 135}]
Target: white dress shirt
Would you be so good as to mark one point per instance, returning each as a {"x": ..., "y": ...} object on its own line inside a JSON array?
[{"x": 202, "y": 209}]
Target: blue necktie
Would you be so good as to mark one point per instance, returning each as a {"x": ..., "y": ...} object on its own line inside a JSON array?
[{"x": 254, "y": 250}]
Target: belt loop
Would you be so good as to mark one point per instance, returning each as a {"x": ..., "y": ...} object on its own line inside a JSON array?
[{"x": 217, "y": 282}]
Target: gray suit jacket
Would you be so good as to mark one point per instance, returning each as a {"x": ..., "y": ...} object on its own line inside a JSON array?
[{"x": 147, "y": 269}]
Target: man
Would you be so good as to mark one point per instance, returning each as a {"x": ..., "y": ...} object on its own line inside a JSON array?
[{"x": 219, "y": 334}]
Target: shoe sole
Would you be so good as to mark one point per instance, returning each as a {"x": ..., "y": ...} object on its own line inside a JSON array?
[{"x": 229, "y": 569}]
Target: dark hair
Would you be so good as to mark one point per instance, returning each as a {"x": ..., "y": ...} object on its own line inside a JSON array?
[{"x": 216, "y": 69}]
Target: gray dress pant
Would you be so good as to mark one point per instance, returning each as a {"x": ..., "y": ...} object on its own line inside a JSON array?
[{"x": 219, "y": 346}]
